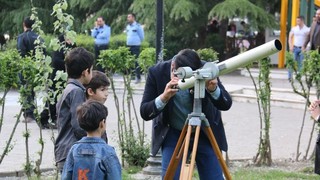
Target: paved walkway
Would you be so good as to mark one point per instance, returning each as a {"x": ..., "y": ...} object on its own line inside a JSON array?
[{"x": 241, "y": 124}]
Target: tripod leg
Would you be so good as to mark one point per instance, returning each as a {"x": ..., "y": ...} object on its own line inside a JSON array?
[
  {"x": 190, "y": 167},
  {"x": 185, "y": 167},
  {"x": 217, "y": 151},
  {"x": 176, "y": 156}
]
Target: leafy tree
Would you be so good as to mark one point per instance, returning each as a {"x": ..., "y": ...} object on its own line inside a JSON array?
[
  {"x": 185, "y": 21},
  {"x": 243, "y": 9},
  {"x": 86, "y": 12},
  {"x": 12, "y": 14}
]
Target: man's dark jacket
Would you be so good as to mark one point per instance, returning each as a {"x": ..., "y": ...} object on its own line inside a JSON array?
[
  {"x": 313, "y": 34},
  {"x": 25, "y": 43},
  {"x": 158, "y": 77}
]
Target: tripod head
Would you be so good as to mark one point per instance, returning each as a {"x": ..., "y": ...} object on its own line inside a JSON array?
[{"x": 207, "y": 72}]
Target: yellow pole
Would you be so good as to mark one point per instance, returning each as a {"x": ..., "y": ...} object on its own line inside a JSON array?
[
  {"x": 283, "y": 32},
  {"x": 295, "y": 12},
  {"x": 317, "y": 3}
]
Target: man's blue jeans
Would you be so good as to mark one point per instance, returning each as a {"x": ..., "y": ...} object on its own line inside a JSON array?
[
  {"x": 298, "y": 56},
  {"x": 207, "y": 163}
]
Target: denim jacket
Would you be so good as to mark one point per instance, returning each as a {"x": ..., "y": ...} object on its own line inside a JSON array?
[{"x": 92, "y": 158}]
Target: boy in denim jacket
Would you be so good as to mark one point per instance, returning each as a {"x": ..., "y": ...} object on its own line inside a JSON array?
[{"x": 91, "y": 157}]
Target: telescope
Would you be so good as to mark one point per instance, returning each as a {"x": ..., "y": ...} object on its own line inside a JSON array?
[{"x": 211, "y": 70}]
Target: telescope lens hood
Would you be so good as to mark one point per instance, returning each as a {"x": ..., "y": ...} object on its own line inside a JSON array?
[{"x": 278, "y": 44}]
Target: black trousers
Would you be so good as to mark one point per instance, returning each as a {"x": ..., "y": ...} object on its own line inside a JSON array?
[
  {"x": 50, "y": 109},
  {"x": 97, "y": 49},
  {"x": 317, "y": 157},
  {"x": 28, "y": 99},
  {"x": 135, "y": 50}
]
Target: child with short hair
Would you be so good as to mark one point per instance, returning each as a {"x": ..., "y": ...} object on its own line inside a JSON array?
[
  {"x": 91, "y": 157},
  {"x": 97, "y": 90},
  {"x": 79, "y": 63}
]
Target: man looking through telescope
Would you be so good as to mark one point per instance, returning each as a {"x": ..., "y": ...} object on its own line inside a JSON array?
[{"x": 169, "y": 107}]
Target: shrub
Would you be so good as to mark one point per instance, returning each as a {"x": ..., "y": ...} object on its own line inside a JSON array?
[
  {"x": 147, "y": 58},
  {"x": 86, "y": 42},
  {"x": 208, "y": 54}
]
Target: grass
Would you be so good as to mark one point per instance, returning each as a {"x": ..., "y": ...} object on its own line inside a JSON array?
[
  {"x": 248, "y": 174},
  {"x": 253, "y": 174},
  {"x": 239, "y": 173}
]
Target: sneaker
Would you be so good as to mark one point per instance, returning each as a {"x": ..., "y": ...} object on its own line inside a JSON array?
[
  {"x": 137, "y": 81},
  {"x": 52, "y": 125},
  {"x": 45, "y": 126}
]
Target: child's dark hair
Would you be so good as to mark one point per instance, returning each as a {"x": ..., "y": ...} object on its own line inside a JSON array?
[
  {"x": 99, "y": 79},
  {"x": 78, "y": 60},
  {"x": 90, "y": 114},
  {"x": 188, "y": 57}
]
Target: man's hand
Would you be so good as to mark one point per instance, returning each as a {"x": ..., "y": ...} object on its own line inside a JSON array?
[
  {"x": 315, "y": 109},
  {"x": 212, "y": 85},
  {"x": 291, "y": 48},
  {"x": 170, "y": 90}
]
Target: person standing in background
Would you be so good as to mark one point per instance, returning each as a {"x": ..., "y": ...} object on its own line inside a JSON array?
[
  {"x": 135, "y": 36},
  {"x": 26, "y": 47},
  {"x": 314, "y": 35},
  {"x": 57, "y": 64},
  {"x": 297, "y": 36},
  {"x": 101, "y": 34}
]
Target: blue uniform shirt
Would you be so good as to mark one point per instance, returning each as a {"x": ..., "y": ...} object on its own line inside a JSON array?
[
  {"x": 101, "y": 35},
  {"x": 135, "y": 34}
]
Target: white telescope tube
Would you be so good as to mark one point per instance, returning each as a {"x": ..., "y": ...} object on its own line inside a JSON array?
[{"x": 240, "y": 60}]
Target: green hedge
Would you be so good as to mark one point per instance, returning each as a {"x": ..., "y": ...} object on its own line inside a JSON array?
[{"x": 85, "y": 41}]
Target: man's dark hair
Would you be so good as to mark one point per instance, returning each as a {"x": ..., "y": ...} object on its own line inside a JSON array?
[
  {"x": 100, "y": 17},
  {"x": 28, "y": 22},
  {"x": 188, "y": 57},
  {"x": 133, "y": 15},
  {"x": 90, "y": 114},
  {"x": 301, "y": 17},
  {"x": 99, "y": 79},
  {"x": 78, "y": 60}
]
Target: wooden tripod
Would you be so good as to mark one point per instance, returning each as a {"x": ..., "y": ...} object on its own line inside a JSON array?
[
  {"x": 183, "y": 146},
  {"x": 194, "y": 120}
]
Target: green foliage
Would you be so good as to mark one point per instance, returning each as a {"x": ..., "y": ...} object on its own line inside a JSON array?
[
  {"x": 85, "y": 41},
  {"x": 244, "y": 8},
  {"x": 208, "y": 54},
  {"x": 311, "y": 68},
  {"x": 271, "y": 174},
  {"x": 10, "y": 62},
  {"x": 118, "y": 41},
  {"x": 86, "y": 12},
  {"x": 263, "y": 96},
  {"x": 135, "y": 153},
  {"x": 117, "y": 60},
  {"x": 147, "y": 59},
  {"x": 133, "y": 148},
  {"x": 185, "y": 9},
  {"x": 290, "y": 62},
  {"x": 12, "y": 14}
]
